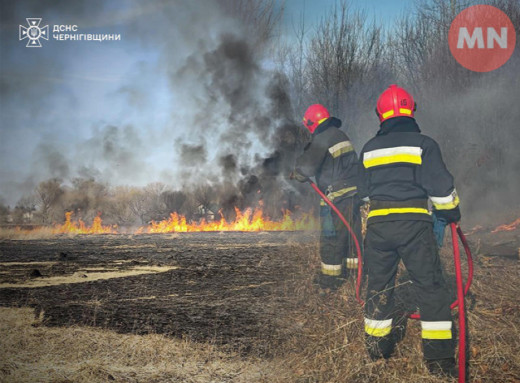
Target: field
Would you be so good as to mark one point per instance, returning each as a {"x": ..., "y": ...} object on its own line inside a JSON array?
[{"x": 217, "y": 307}]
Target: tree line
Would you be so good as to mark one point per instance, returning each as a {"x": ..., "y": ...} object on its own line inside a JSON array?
[{"x": 121, "y": 205}]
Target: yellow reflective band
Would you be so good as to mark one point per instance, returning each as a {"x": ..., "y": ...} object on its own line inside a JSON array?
[
  {"x": 340, "y": 148},
  {"x": 378, "y": 331},
  {"x": 388, "y": 114},
  {"x": 352, "y": 263},
  {"x": 333, "y": 270},
  {"x": 341, "y": 192},
  {"x": 405, "y": 111},
  {"x": 323, "y": 119},
  {"x": 378, "y": 161},
  {"x": 446, "y": 206},
  {"x": 392, "y": 151},
  {"x": 451, "y": 201},
  {"x": 397, "y": 210},
  {"x": 436, "y": 329},
  {"x": 436, "y": 334},
  {"x": 378, "y": 328},
  {"x": 337, "y": 194}
]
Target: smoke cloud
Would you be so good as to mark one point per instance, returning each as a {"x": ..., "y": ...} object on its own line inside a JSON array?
[{"x": 192, "y": 104}]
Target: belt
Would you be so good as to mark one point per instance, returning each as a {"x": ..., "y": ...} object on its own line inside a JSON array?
[
  {"x": 348, "y": 192},
  {"x": 383, "y": 208}
]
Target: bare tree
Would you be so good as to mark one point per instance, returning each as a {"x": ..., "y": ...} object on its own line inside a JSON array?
[
  {"x": 147, "y": 203},
  {"x": 49, "y": 194},
  {"x": 138, "y": 205},
  {"x": 344, "y": 50},
  {"x": 512, "y": 9},
  {"x": 173, "y": 200},
  {"x": 421, "y": 50},
  {"x": 204, "y": 195},
  {"x": 119, "y": 209},
  {"x": 290, "y": 59},
  {"x": 4, "y": 211},
  {"x": 87, "y": 198},
  {"x": 260, "y": 18},
  {"x": 28, "y": 202}
]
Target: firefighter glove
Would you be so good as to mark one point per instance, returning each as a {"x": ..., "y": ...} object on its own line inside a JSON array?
[
  {"x": 450, "y": 216},
  {"x": 295, "y": 175},
  {"x": 439, "y": 226}
]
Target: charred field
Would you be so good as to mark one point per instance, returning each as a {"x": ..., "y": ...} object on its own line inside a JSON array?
[
  {"x": 201, "y": 286},
  {"x": 221, "y": 307}
]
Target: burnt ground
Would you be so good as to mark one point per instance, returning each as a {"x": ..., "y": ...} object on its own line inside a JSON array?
[
  {"x": 245, "y": 292},
  {"x": 226, "y": 288}
]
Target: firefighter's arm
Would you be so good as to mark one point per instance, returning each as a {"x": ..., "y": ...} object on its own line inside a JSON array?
[
  {"x": 308, "y": 163},
  {"x": 362, "y": 188},
  {"x": 438, "y": 182}
]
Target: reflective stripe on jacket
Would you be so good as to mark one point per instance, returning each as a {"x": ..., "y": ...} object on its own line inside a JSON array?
[
  {"x": 331, "y": 158},
  {"x": 399, "y": 169}
]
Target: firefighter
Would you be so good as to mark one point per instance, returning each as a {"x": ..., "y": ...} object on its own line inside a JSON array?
[
  {"x": 400, "y": 169},
  {"x": 332, "y": 160}
]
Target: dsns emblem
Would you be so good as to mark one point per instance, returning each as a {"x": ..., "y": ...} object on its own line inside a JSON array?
[{"x": 33, "y": 32}]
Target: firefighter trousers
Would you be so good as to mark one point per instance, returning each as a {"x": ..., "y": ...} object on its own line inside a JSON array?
[
  {"x": 337, "y": 248},
  {"x": 413, "y": 242}
]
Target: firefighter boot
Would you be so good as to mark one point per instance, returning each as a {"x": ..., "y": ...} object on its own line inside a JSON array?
[
  {"x": 442, "y": 367},
  {"x": 380, "y": 347},
  {"x": 329, "y": 282}
]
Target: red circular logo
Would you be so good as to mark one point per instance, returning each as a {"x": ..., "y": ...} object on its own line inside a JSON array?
[{"x": 482, "y": 38}]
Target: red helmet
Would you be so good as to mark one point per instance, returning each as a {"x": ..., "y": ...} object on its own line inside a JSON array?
[
  {"x": 314, "y": 116},
  {"x": 394, "y": 102}
]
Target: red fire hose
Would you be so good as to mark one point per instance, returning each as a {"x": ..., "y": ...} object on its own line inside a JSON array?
[
  {"x": 462, "y": 290},
  {"x": 460, "y": 301}
]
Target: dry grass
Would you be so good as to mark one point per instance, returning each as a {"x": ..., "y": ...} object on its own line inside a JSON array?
[
  {"x": 89, "y": 275},
  {"x": 328, "y": 341},
  {"x": 33, "y": 353},
  {"x": 22, "y": 234}
]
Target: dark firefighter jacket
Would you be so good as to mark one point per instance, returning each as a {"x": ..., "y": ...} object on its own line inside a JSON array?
[
  {"x": 330, "y": 157},
  {"x": 400, "y": 168}
]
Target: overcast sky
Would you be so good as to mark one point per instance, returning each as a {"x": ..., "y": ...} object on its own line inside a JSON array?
[{"x": 113, "y": 110}]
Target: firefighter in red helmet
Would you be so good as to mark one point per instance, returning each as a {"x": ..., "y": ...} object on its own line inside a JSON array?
[
  {"x": 330, "y": 158},
  {"x": 400, "y": 170}
]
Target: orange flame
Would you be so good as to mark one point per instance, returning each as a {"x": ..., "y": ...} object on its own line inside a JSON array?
[
  {"x": 79, "y": 227},
  {"x": 249, "y": 220},
  {"x": 510, "y": 227}
]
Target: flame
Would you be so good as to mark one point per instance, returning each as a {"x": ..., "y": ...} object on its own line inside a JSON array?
[
  {"x": 79, "y": 227},
  {"x": 249, "y": 220},
  {"x": 475, "y": 229},
  {"x": 510, "y": 227}
]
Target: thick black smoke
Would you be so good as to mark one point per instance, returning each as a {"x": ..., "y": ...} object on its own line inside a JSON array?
[
  {"x": 244, "y": 114},
  {"x": 230, "y": 117}
]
